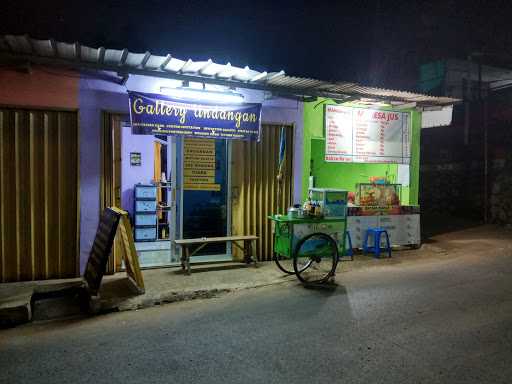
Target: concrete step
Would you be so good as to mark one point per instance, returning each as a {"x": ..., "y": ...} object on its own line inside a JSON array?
[
  {"x": 58, "y": 305},
  {"x": 15, "y": 305},
  {"x": 26, "y": 301}
]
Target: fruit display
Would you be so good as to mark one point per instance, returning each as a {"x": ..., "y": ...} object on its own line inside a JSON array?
[{"x": 378, "y": 195}]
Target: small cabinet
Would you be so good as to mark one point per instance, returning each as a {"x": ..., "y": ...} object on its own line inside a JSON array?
[
  {"x": 145, "y": 206},
  {"x": 145, "y": 219},
  {"x": 145, "y": 234},
  {"x": 145, "y": 192},
  {"x": 146, "y": 222}
]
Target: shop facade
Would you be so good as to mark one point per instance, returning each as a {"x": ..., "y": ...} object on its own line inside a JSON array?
[
  {"x": 381, "y": 157},
  {"x": 243, "y": 173},
  {"x": 105, "y": 172},
  {"x": 68, "y": 150}
]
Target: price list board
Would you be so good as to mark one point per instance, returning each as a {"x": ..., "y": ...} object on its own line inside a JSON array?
[
  {"x": 357, "y": 135},
  {"x": 200, "y": 165}
]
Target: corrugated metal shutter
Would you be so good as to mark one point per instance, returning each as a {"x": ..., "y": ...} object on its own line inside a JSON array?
[
  {"x": 38, "y": 194},
  {"x": 110, "y": 180},
  {"x": 254, "y": 183}
]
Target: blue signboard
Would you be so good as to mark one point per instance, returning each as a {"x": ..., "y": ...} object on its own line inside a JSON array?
[{"x": 154, "y": 114}]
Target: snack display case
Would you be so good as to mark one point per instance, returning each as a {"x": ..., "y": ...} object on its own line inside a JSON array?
[
  {"x": 378, "y": 205},
  {"x": 378, "y": 195}
]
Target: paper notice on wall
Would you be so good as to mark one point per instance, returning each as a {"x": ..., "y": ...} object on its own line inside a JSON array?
[
  {"x": 199, "y": 165},
  {"x": 201, "y": 187},
  {"x": 403, "y": 175},
  {"x": 358, "y": 135}
]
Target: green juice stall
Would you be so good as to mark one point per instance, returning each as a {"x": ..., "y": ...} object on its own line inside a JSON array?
[
  {"x": 361, "y": 172},
  {"x": 371, "y": 151}
]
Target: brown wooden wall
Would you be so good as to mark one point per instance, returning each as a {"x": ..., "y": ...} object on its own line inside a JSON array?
[
  {"x": 38, "y": 194},
  {"x": 110, "y": 180},
  {"x": 254, "y": 186}
]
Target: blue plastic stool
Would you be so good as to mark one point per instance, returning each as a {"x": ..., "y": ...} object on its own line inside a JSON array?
[
  {"x": 349, "y": 251},
  {"x": 377, "y": 232}
]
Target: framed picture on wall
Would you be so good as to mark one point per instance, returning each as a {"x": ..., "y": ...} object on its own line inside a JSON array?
[{"x": 135, "y": 159}]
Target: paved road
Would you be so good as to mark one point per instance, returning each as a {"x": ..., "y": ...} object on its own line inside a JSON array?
[{"x": 435, "y": 321}]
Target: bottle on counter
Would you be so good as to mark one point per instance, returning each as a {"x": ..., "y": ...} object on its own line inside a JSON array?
[
  {"x": 318, "y": 210},
  {"x": 307, "y": 207}
]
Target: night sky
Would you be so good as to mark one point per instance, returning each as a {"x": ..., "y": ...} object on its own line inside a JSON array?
[{"x": 372, "y": 42}]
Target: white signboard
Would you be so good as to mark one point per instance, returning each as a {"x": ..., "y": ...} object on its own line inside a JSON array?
[
  {"x": 403, "y": 175},
  {"x": 357, "y": 135}
]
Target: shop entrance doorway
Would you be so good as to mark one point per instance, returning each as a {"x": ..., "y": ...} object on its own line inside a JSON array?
[
  {"x": 130, "y": 161},
  {"x": 206, "y": 194},
  {"x": 217, "y": 187},
  {"x": 192, "y": 197},
  {"x": 206, "y": 197}
]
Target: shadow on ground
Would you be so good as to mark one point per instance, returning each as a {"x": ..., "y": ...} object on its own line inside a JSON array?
[{"x": 435, "y": 225}]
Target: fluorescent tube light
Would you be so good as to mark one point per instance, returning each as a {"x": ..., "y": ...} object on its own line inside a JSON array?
[{"x": 202, "y": 95}]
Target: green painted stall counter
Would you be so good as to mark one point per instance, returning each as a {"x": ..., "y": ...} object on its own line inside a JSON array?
[{"x": 288, "y": 232}]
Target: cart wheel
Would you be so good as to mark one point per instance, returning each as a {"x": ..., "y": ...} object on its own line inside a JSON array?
[
  {"x": 319, "y": 252},
  {"x": 286, "y": 264}
]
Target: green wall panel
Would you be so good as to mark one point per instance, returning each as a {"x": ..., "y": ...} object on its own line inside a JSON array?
[{"x": 347, "y": 175}]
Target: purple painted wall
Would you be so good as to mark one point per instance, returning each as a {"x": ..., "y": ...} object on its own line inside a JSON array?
[
  {"x": 131, "y": 175},
  {"x": 97, "y": 95},
  {"x": 94, "y": 96}
]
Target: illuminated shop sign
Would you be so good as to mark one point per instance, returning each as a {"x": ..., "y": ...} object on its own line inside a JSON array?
[
  {"x": 359, "y": 135},
  {"x": 154, "y": 114}
]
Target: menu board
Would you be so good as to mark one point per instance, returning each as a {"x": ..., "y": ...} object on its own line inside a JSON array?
[
  {"x": 112, "y": 219},
  {"x": 358, "y": 135},
  {"x": 200, "y": 165}
]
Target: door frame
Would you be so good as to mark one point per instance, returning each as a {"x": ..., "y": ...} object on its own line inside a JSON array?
[
  {"x": 180, "y": 162},
  {"x": 107, "y": 180}
]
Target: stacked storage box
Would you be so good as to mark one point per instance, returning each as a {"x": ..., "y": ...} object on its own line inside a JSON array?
[{"x": 145, "y": 213}]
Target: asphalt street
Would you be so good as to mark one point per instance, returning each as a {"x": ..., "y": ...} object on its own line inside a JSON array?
[{"x": 429, "y": 321}]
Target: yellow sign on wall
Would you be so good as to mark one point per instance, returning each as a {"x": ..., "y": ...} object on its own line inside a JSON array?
[
  {"x": 200, "y": 172},
  {"x": 198, "y": 180},
  {"x": 199, "y": 165},
  {"x": 202, "y": 187},
  {"x": 196, "y": 165},
  {"x": 201, "y": 158}
]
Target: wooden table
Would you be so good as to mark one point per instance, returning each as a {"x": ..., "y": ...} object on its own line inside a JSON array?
[{"x": 200, "y": 243}]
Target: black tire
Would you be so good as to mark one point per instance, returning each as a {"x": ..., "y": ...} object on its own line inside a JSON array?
[
  {"x": 320, "y": 266},
  {"x": 286, "y": 265}
]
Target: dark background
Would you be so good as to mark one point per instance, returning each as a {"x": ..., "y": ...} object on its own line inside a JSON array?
[{"x": 373, "y": 42}]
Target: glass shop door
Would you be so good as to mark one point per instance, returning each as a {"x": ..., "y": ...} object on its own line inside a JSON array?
[{"x": 205, "y": 208}]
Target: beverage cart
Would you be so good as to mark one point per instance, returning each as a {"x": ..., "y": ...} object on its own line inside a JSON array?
[{"x": 308, "y": 241}]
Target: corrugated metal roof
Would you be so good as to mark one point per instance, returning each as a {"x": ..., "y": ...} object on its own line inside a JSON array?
[{"x": 75, "y": 55}]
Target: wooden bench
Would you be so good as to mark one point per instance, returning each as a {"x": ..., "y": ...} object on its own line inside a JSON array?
[{"x": 200, "y": 243}]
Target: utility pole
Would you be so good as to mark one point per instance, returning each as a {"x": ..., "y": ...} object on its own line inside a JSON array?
[{"x": 483, "y": 120}]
